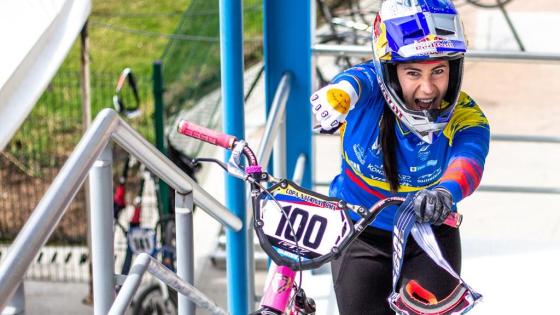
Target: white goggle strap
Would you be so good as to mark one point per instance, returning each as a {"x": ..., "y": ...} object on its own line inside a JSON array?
[
  {"x": 424, "y": 236},
  {"x": 405, "y": 223}
]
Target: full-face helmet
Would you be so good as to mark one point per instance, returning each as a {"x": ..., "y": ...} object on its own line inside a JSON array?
[{"x": 418, "y": 31}]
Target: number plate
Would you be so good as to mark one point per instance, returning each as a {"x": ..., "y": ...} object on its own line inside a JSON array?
[{"x": 300, "y": 220}]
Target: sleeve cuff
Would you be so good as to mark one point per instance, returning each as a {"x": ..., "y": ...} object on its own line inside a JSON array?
[{"x": 454, "y": 189}]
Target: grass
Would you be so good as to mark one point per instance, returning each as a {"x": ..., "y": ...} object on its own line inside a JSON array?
[
  {"x": 135, "y": 33},
  {"x": 199, "y": 73},
  {"x": 122, "y": 34}
]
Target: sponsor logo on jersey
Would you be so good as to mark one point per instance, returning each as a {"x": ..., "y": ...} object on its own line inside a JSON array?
[
  {"x": 430, "y": 178},
  {"x": 418, "y": 168},
  {"x": 376, "y": 169},
  {"x": 424, "y": 153},
  {"x": 360, "y": 153},
  {"x": 376, "y": 147},
  {"x": 405, "y": 180},
  {"x": 382, "y": 179}
]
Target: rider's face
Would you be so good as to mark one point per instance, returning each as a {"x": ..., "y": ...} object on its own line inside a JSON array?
[{"x": 423, "y": 84}]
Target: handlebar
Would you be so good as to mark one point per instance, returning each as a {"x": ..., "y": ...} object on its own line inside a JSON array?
[
  {"x": 214, "y": 137},
  {"x": 454, "y": 219},
  {"x": 211, "y": 136},
  {"x": 228, "y": 142}
]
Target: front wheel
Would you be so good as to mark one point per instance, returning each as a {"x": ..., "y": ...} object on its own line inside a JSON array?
[{"x": 151, "y": 302}]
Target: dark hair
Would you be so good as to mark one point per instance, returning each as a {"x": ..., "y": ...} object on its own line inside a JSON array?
[{"x": 389, "y": 148}]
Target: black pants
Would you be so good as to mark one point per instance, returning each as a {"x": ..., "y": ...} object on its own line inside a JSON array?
[{"x": 362, "y": 273}]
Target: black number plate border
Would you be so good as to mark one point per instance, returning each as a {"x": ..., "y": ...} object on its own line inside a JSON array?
[{"x": 281, "y": 260}]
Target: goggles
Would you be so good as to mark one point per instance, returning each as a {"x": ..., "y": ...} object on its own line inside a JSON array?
[
  {"x": 412, "y": 298},
  {"x": 460, "y": 301}
]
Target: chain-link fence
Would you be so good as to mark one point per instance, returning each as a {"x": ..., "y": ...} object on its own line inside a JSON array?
[
  {"x": 30, "y": 162},
  {"x": 191, "y": 65}
]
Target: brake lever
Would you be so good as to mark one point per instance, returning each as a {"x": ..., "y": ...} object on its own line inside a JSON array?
[{"x": 234, "y": 163}]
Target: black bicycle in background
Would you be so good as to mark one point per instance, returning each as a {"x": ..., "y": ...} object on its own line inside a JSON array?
[{"x": 157, "y": 240}]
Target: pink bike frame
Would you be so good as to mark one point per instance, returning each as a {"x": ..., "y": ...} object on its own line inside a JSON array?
[{"x": 278, "y": 293}]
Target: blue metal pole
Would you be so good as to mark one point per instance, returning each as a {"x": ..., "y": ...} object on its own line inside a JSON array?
[
  {"x": 231, "y": 52},
  {"x": 287, "y": 48}
]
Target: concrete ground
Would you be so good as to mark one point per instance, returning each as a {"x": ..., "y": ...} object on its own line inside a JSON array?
[{"x": 510, "y": 240}]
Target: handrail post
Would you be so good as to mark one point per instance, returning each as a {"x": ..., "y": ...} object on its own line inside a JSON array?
[
  {"x": 159, "y": 125},
  {"x": 287, "y": 48},
  {"x": 231, "y": 55},
  {"x": 279, "y": 152},
  {"x": 130, "y": 285},
  {"x": 16, "y": 305},
  {"x": 185, "y": 252},
  {"x": 101, "y": 197}
]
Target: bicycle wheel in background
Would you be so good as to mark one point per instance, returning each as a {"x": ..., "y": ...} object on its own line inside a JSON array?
[{"x": 151, "y": 301}]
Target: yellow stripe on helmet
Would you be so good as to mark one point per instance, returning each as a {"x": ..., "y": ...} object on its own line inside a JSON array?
[{"x": 382, "y": 44}]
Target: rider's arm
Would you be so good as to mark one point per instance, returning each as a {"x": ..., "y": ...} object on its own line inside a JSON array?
[
  {"x": 363, "y": 80},
  {"x": 469, "y": 138},
  {"x": 353, "y": 87}
]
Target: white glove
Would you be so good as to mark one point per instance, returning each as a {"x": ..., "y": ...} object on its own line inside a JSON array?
[{"x": 332, "y": 103}]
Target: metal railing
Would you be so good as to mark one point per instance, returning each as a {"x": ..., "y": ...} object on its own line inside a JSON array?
[
  {"x": 94, "y": 152},
  {"x": 365, "y": 51},
  {"x": 275, "y": 122},
  {"x": 522, "y": 189},
  {"x": 299, "y": 170},
  {"x": 145, "y": 262}
]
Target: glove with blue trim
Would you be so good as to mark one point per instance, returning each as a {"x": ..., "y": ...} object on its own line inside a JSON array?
[
  {"x": 332, "y": 103},
  {"x": 432, "y": 206}
]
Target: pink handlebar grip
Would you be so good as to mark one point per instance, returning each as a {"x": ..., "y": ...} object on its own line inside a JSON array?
[
  {"x": 211, "y": 136},
  {"x": 454, "y": 219}
]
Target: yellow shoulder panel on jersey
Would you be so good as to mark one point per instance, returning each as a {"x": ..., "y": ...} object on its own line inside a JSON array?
[{"x": 467, "y": 114}]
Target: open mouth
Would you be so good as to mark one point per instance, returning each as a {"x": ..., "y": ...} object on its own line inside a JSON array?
[{"x": 424, "y": 103}]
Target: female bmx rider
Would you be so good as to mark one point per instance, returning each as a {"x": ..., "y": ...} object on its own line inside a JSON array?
[{"x": 406, "y": 128}]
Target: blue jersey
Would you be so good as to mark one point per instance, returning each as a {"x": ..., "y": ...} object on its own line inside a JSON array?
[{"x": 454, "y": 160}]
